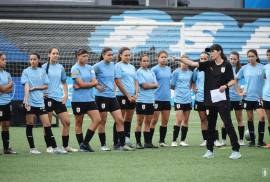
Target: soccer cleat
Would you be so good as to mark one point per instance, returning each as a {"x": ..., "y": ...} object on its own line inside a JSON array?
[
  {"x": 217, "y": 143},
  {"x": 222, "y": 143},
  {"x": 126, "y": 148},
  {"x": 59, "y": 151},
  {"x": 70, "y": 149},
  {"x": 34, "y": 151},
  {"x": 86, "y": 148},
  {"x": 139, "y": 146},
  {"x": 163, "y": 144},
  {"x": 242, "y": 143},
  {"x": 235, "y": 155},
  {"x": 261, "y": 144},
  {"x": 174, "y": 144},
  {"x": 208, "y": 155},
  {"x": 49, "y": 150},
  {"x": 150, "y": 145},
  {"x": 203, "y": 144},
  {"x": 183, "y": 144},
  {"x": 251, "y": 144},
  {"x": 105, "y": 148},
  {"x": 9, "y": 151},
  {"x": 128, "y": 142}
]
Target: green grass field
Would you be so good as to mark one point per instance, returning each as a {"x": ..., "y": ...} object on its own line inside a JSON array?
[{"x": 163, "y": 164}]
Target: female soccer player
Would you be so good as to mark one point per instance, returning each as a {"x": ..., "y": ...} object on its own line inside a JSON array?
[
  {"x": 147, "y": 83},
  {"x": 83, "y": 100},
  {"x": 218, "y": 79},
  {"x": 106, "y": 99},
  {"x": 266, "y": 91},
  {"x": 253, "y": 73},
  {"x": 35, "y": 81},
  {"x": 6, "y": 87},
  {"x": 126, "y": 93},
  {"x": 235, "y": 101},
  {"x": 181, "y": 84},
  {"x": 54, "y": 99},
  {"x": 162, "y": 97}
]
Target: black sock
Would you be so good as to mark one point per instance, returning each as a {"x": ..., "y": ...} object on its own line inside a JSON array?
[
  {"x": 184, "y": 131},
  {"x": 121, "y": 135},
  {"x": 146, "y": 135},
  {"x": 88, "y": 136},
  {"x": 216, "y": 135},
  {"x": 261, "y": 128},
  {"x": 204, "y": 134},
  {"x": 79, "y": 137},
  {"x": 102, "y": 138},
  {"x": 241, "y": 130},
  {"x": 127, "y": 125},
  {"x": 49, "y": 135},
  {"x": 176, "y": 130},
  {"x": 269, "y": 129},
  {"x": 115, "y": 135},
  {"x": 5, "y": 138},
  {"x": 65, "y": 140},
  {"x": 162, "y": 134},
  {"x": 152, "y": 130},
  {"x": 223, "y": 133},
  {"x": 251, "y": 131},
  {"x": 138, "y": 135},
  {"x": 47, "y": 141},
  {"x": 29, "y": 135}
]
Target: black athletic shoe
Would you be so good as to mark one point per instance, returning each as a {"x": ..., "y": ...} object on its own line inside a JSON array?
[
  {"x": 261, "y": 144},
  {"x": 150, "y": 145},
  {"x": 251, "y": 144},
  {"x": 86, "y": 148},
  {"x": 9, "y": 151}
]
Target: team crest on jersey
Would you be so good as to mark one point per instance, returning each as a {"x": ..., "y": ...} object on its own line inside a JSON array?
[
  {"x": 222, "y": 69},
  {"x": 143, "y": 107},
  {"x": 78, "y": 109},
  {"x": 103, "y": 105},
  {"x": 245, "y": 105},
  {"x": 75, "y": 73},
  {"x": 156, "y": 106},
  {"x": 178, "y": 106},
  {"x": 50, "y": 104},
  {"x": 123, "y": 101}
]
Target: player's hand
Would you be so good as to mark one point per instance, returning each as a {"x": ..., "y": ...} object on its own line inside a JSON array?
[
  {"x": 32, "y": 88},
  {"x": 131, "y": 99},
  {"x": 94, "y": 83},
  {"x": 100, "y": 88},
  {"x": 222, "y": 88}
]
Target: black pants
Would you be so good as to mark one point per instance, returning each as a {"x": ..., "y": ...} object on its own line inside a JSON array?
[{"x": 225, "y": 114}]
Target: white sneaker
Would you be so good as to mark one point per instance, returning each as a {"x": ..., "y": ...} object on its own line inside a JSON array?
[
  {"x": 49, "y": 150},
  {"x": 174, "y": 144},
  {"x": 70, "y": 149},
  {"x": 203, "y": 144},
  {"x": 223, "y": 143},
  {"x": 217, "y": 143},
  {"x": 34, "y": 151},
  {"x": 242, "y": 143},
  {"x": 127, "y": 140},
  {"x": 163, "y": 144},
  {"x": 105, "y": 148},
  {"x": 183, "y": 144},
  {"x": 235, "y": 155},
  {"x": 208, "y": 155},
  {"x": 59, "y": 151}
]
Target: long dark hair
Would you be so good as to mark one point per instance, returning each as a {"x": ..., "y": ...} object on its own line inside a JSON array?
[
  {"x": 238, "y": 64},
  {"x": 123, "y": 49},
  {"x": 218, "y": 47},
  {"x": 48, "y": 63},
  {"x": 104, "y": 50},
  {"x": 254, "y": 52},
  {"x": 38, "y": 56}
]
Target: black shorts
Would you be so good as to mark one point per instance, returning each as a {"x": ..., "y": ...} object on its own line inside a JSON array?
[
  {"x": 199, "y": 106},
  {"x": 252, "y": 105},
  {"x": 5, "y": 112},
  {"x": 107, "y": 104},
  {"x": 124, "y": 103},
  {"x": 80, "y": 108},
  {"x": 53, "y": 105},
  {"x": 266, "y": 104},
  {"x": 183, "y": 107},
  {"x": 36, "y": 110},
  {"x": 145, "y": 108},
  {"x": 236, "y": 105},
  {"x": 162, "y": 105}
]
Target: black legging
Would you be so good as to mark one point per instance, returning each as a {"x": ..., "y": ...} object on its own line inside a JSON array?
[{"x": 224, "y": 112}]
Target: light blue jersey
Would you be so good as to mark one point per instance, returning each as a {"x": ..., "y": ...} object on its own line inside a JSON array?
[
  {"x": 146, "y": 76},
  {"x": 163, "y": 75},
  {"x": 35, "y": 77},
  {"x": 105, "y": 75},
  {"x": 56, "y": 75},
  {"x": 234, "y": 96},
  {"x": 5, "y": 78},
  {"x": 181, "y": 81},
  {"x": 266, "y": 87},
  {"x": 127, "y": 74},
  {"x": 86, "y": 73},
  {"x": 198, "y": 78},
  {"x": 254, "y": 78}
]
